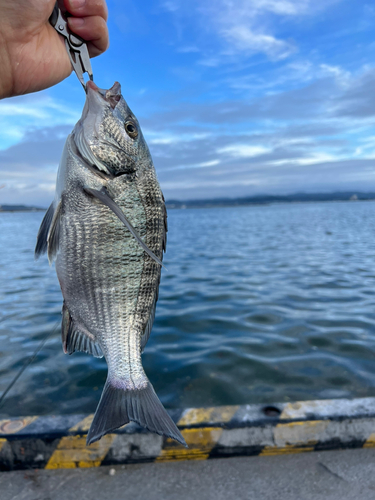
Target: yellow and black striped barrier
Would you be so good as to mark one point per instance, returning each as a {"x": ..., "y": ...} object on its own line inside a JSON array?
[{"x": 60, "y": 442}]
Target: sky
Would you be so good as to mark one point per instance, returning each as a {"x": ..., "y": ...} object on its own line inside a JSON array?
[{"x": 234, "y": 97}]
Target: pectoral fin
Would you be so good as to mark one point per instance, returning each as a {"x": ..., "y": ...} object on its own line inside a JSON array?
[{"x": 107, "y": 200}]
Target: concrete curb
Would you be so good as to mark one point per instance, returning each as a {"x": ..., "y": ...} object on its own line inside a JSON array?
[{"x": 60, "y": 442}]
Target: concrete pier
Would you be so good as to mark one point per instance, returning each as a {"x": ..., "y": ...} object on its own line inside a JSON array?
[
  {"x": 328, "y": 475},
  {"x": 221, "y": 432}
]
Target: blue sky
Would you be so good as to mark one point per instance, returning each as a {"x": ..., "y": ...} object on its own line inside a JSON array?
[{"x": 235, "y": 98}]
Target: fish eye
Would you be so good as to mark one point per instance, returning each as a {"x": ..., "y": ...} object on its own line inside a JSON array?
[{"x": 131, "y": 129}]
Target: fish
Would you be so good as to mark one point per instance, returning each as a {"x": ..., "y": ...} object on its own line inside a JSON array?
[{"x": 106, "y": 231}]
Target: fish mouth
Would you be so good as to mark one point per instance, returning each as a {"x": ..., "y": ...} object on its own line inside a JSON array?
[
  {"x": 98, "y": 103},
  {"x": 112, "y": 96}
]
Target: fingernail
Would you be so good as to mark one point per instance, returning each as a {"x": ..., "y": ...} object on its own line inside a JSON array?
[
  {"x": 75, "y": 22},
  {"x": 77, "y": 4}
]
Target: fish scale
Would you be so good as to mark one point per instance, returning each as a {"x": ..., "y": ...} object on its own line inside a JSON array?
[
  {"x": 107, "y": 230},
  {"x": 111, "y": 285}
]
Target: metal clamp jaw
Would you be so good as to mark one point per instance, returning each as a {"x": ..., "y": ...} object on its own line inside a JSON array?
[{"x": 75, "y": 46}]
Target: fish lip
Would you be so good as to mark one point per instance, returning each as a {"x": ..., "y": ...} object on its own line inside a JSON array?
[
  {"x": 94, "y": 93},
  {"x": 111, "y": 96},
  {"x": 96, "y": 98},
  {"x": 92, "y": 85}
]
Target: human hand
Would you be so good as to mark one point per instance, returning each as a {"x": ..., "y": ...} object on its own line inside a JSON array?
[{"x": 32, "y": 54}]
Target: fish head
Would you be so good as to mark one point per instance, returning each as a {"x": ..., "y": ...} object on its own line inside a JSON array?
[{"x": 108, "y": 134}]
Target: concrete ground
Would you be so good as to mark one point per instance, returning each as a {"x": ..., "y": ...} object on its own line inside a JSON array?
[{"x": 329, "y": 475}]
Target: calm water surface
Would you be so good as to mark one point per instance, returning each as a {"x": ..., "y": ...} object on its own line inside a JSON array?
[{"x": 259, "y": 304}]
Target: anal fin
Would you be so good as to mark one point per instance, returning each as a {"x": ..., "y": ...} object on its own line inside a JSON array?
[{"x": 74, "y": 339}]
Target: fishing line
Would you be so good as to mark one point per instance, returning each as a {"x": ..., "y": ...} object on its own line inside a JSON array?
[{"x": 28, "y": 362}]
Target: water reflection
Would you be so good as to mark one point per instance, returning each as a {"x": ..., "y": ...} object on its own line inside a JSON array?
[{"x": 259, "y": 304}]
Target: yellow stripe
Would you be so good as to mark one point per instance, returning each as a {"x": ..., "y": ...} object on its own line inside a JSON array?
[
  {"x": 218, "y": 414},
  {"x": 290, "y": 409},
  {"x": 301, "y": 409},
  {"x": 286, "y": 450},
  {"x": 13, "y": 426},
  {"x": 72, "y": 452},
  {"x": 200, "y": 442},
  {"x": 370, "y": 442},
  {"x": 2, "y": 442},
  {"x": 296, "y": 437},
  {"x": 299, "y": 433},
  {"x": 83, "y": 425}
]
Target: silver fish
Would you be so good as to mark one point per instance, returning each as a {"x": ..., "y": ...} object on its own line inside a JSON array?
[{"x": 106, "y": 228}]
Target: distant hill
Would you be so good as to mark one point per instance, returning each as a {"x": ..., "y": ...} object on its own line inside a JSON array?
[
  {"x": 267, "y": 199},
  {"x": 233, "y": 202},
  {"x": 20, "y": 208}
]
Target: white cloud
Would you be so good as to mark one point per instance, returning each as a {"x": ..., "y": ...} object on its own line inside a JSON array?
[
  {"x": 204, "y": 164},
  {"x": 20, "y": 114},
  {"x": 155, "y": 138},
  {"x": 241, "y": 10},
  {"x": 280, "y": 7},
  {"x": 312, "y": 159},
  {"x": 211, "y": 163},
  {"x": 243, "y": 150},
  {"x": 245, "y": 27},
  {"x": 163, "y": 140},
  {"x": 249, "y": 26},
  {"x": 366, "y": 149},
  {"x": 245, "y": 39},
  {"x": 341, "y": 76},
  {"x": 170, "y": 6}
]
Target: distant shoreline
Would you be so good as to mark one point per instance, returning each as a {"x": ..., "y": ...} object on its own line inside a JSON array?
[
  {"x": 184, "y": 206},
  {"x": 237, "y": 202},
  {"x": 272, "y": 199},
  {"x": 20, "y": 208}
]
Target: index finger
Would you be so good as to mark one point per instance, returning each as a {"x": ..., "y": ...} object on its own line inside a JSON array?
[{"x": 87, "y": 8}]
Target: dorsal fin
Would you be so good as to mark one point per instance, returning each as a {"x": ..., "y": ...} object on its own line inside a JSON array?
[
  {"x": 49, "y": 233},
  {"x": 147, "y": 331},
  {"x": 41, "y": 241},
  {"x": 165, "y": 225},
  {"x": 54, "y": 234}
]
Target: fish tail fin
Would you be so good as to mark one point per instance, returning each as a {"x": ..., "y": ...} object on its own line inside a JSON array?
[{"x": 118, "y": 406}]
